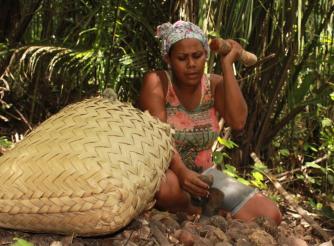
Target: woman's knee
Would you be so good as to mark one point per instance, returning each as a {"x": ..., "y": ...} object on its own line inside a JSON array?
[
  {"x": 169, "y": 190},
  {"x": 259, "y": 205},
  {"x": 268, "y": 208}
]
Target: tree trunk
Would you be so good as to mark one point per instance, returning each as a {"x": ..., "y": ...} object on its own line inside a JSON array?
[
  {"x": 10, "y": 15},
  {"x": 21, "y": 26}
]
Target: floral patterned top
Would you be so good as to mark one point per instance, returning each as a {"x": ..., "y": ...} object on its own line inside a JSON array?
[{"x": 195, "y": 130}]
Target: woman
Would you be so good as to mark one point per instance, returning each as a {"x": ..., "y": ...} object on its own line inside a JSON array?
[{"x": 189, "y": 100}]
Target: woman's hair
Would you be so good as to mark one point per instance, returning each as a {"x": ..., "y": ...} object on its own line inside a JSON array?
[{"x": 169, "y": 34}]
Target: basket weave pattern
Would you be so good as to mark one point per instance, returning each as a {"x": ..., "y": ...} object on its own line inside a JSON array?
[{"x": 89, "y": 169}]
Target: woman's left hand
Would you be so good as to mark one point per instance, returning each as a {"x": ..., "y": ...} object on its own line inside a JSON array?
[{"x": 191, "y": 182}]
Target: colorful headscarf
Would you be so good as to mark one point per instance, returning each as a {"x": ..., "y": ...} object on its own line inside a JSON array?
[{"x": 171, "y": 33}]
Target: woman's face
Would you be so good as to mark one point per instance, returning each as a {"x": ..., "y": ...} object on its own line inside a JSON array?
[{"x": 187, "y": 59}]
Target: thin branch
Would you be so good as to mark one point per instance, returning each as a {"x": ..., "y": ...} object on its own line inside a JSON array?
[
  {"x": 292, "y": 202},
  {"x": 23, "y": 119},
  {"x": 302, "y": 168}
]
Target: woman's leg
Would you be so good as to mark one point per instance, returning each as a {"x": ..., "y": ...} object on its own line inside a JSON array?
[
  {"x": 171, "y": 197},
  {"x": 257, "y": 206}
]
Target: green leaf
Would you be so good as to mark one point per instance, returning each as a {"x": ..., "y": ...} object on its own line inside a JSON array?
[
  {"x": 300, "y": 176},
  {"x": 227, "y": 143},
  {"x": 259, "y": 166},
  {"x": 21, "y": 242},
  {"x": 213, "y": 34},
  {"x": 310, "y": 147},
  {"x": 258, "y": 176},
  {"x": 319, "y": 206},
  {"x": 328, "y": 169},
  {"x": 230, "y": 170},
  {"x": 326, "y": 122},
  {"x": 259, "y": 184},
  {"x": 243, "y": 181},
  {"x": 310, "y": 179},
  {"x": 4, "y": 142},
  {"x": 122, "y": 8},
  {"x": 332, "y": 95},
  {"x": 284, "y": 152},
  {"x": 229, "y": 173},
  {"x": 218, "y": 158},
  {"x": 312, "y": 164}
]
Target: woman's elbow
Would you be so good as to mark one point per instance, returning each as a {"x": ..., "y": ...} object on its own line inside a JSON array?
[
  {"x": 238, "y": 126},
  {"x": 240, "y": 123}
]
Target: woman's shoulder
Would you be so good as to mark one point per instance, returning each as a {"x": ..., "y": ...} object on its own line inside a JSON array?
[
  {"x": 152, "y": 95},
  {"x": 153, "y": 74},
  {"x": 152, "y": 86},
  {"x": 155, "y": 79}
]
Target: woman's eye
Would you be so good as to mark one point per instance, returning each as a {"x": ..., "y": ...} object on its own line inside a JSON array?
[
  {"x": 181, "y": 58},
  {"x": 197, "y": 55}
]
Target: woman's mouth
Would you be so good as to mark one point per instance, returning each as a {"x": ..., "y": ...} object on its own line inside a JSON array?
[{"x": 191, "y": 75}]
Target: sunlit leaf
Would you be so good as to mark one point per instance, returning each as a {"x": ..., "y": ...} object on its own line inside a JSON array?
[
  {"x": 229, "y": 173},
  {"x": 121, "y": 8},
  {"x": 259, "y": 184},
  {"x": 313, "y": 164},
  {"x": 227, "y": 143},
  {"x": 243, "y": 181},
  {"x": 4, "y": 142},
  {"x": 258, "y": 176},
  {"x": 21, "y": 242},
  {"x": 319, "y": 206},
  {"x": 230, "y": 170},
  {"x": 332, "y": 95},
  {"x": 326, "y": 122}
]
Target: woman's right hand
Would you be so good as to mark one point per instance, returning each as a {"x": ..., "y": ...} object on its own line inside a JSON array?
[
  {"x": 233, "y": 54},
  {"x": 190, "y": 182}
]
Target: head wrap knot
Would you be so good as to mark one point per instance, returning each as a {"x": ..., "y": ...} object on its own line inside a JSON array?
[{"x": 172, "y": 33}]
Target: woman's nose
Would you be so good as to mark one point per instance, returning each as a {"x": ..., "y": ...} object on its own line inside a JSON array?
[{"x": 191, "y": 62}]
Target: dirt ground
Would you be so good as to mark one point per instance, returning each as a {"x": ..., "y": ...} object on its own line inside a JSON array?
[{"x": 162, "y": 228}]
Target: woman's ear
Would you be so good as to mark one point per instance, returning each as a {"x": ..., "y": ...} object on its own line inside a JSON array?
[{"x": 167, "y": 60}]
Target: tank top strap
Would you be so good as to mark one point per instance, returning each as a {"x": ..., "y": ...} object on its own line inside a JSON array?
[
  {"x": 206, "y": 92},
  {"x": 169, "y": 80},
  {"x": 171, "y": 97}
]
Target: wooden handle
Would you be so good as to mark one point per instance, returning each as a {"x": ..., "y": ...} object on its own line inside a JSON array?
[{"x": 222, "y": 46}]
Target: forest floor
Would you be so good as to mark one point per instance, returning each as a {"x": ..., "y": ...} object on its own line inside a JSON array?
[{"x": 155, "y": 227}]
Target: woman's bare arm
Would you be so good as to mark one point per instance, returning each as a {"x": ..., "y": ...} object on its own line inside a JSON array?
[{"x": 229, "y": 100}]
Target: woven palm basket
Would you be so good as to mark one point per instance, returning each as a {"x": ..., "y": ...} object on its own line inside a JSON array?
[{"x": 89, "y": 170}]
